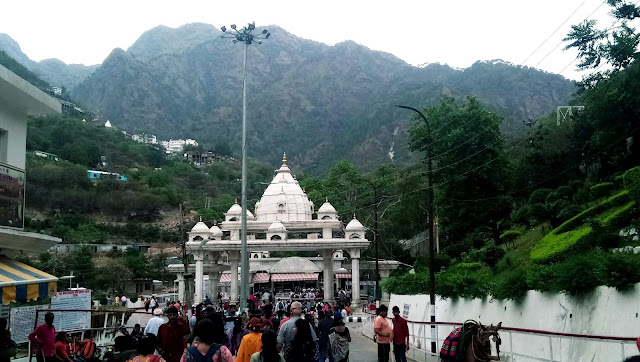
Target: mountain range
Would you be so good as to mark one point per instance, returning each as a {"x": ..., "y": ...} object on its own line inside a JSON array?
[{"x": 317, "y": 102}]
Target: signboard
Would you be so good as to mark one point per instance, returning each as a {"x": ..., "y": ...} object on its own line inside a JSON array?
[
  {"x": 73, "y": 299},
  {"x": 405, "y": 310},
  {"x": 363, "y": 282},
  {"x": 12, "y": 182},
  {"x": 22, "y": 321}
]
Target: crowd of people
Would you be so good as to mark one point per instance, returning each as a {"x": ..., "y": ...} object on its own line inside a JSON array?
[{"x": 292, "y": 332}]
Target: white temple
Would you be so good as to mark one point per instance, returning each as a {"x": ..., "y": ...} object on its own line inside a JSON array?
[{"x": 283, "y": 221}]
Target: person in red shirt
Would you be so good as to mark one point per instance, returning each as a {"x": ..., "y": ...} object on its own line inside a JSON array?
[
  {"x": 400, "y": 335},
  {"x": 171, "y": 336},
  {"x": 44, "y": 337},
  {"x": 63, "y": 349}
]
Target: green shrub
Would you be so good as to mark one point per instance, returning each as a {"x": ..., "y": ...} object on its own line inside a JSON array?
[
  {"x": 539, "y": 196},
  {"x": 580, "y": 219},
  {"x": 492, "y": 255},
  {"x": 622, "y": 270},
  {"x": 417, "y": 283},
  {"x": 619, "y": 217},
  {"x": 553, "y": 245},
  {"x": 461, "y": 284},
  {"x": 467, "y": 266},
  {"x": 510, "y": 237},
  {"x": 601, "y": 189},
  {"x": 513, "y": 285},
  {"x": 632, "y": 183},
  {"x": 542, "y": 278},
  {"x": 580, "y": 273}
]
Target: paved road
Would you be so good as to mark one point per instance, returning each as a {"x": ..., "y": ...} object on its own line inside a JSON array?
[{"x": 361, "y": 349}]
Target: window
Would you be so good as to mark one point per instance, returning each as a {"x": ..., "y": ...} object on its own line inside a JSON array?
[
  {"x": 233, "y": 219},
  {"x": 198, "y": 238},
  {"x": 326, "y": 217},
  {"x": 354, "y": 236},
  {"x": 264, "y": 256},
  {"x": 276, "y": 237},
  {"x": 255, "y": 255}
]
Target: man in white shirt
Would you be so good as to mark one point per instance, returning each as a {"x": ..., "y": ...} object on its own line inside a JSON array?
[{"x": 154, "y": 323}]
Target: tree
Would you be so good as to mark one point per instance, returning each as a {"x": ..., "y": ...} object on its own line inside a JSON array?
[
  {"x": 615, "y": 45},
  {"x": 470, "y": 172},
  {"x": 112, "y": 274}
]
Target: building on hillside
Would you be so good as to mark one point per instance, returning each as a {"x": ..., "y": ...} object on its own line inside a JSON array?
[
  {"x": 284, "y": 220},
  {"x": 176, "y": 146},
  {"x": 94, "y": 175},
  {"x": 144, "y": 138},
  {"x": 96, "y": 248},
  {"x": 18, "y": 100},
  {"x": 70, "y": 108},
  {"x": 56, "y": 90},
  {"x": 47, "y": 155}
]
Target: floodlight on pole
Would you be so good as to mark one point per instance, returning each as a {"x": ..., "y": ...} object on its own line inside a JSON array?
[{"x": 246, "y": 36}]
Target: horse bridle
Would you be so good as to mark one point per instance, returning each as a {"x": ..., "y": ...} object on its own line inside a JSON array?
[{"x": 482, "y": 335}]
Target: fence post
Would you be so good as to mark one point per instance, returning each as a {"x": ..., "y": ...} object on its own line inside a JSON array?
[
  {"x": 550, "y": 349},
  {"x": 511, "y": 346},
  {"x": 622, "y": 350}
]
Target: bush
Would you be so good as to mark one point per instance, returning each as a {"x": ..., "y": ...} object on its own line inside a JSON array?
[
  {"x": 461, "y": 284},
  {"x": 492, "y": 255},
  {"x": 622, "y": 270},
  {"x": 580, "y": 273},
  {"x": 417, "y": 283},
  {"x": 553, "y": 245},
  {"x": 632, "y": 183},
  {"x": 542, "y": 278},
  {"x": 580, "y": 219},
  {"x": 440, "y": 260},
  {"x": 510, "y": 237},
  {"x": 539, "y": 196},
  {"x": 619, "y": 217},
  {"x": 601, "y": 189},
  {"x": 512, "y": 286}
]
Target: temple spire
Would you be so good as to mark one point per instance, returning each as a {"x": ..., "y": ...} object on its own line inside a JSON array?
[{"x": 284, "y": 158}]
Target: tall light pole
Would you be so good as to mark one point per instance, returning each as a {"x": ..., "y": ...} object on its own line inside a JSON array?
[
  {"x": 376, "y": 233},
  {"x": 432, "y": 275},
  {"x": 246, "y": 36}
]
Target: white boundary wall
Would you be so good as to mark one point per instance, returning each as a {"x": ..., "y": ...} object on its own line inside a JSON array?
[{"x": 603, "y": 311}]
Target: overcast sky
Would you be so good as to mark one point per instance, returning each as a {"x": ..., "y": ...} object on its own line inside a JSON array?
[{"x": 421, "y": 31}]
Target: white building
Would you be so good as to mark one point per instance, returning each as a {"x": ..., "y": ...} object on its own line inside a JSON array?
[
  {"x": 283, "y": 221},
  {"x": 176, "y": 146},
  {"x": 19, "y": 99},
  {"x": 144, "y": 138}
]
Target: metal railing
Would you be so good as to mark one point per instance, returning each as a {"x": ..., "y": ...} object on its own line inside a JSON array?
[
  {"x": 539, "y": 345},
  {"x": 103, "y": 335}
]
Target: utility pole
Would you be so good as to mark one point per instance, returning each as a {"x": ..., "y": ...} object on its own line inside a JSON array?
[
  {"x": 245, "y": 36},
  {"x": 530, "y": 124},
  {"x": 432, "y": 275},
  {"x": 185, "y": 261},
  {"x": 376, "y": 234}
]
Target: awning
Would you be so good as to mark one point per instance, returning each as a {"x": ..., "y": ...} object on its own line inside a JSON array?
[
  {"x": 20, "y": 282},
  {"x": 226, "y": 277},
  {"x": 293, "y": 277},
  {"x": 261, "y": 278},
  {"x": 343, "y": 276}
]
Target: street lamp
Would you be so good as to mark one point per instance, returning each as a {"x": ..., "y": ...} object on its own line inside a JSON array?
[
  {"x": 376, "y": 233},
  {"x": 246, "y": 36},
  {"x": 432, "y": 275}
]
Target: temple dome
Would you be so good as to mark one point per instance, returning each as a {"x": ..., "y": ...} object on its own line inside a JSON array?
[
  {"x": 277, "y": 227},
  {"x": 284, "y": 199},
  {"x": 236, "y": 210},
  {"x": 355, "y": 225},
  {"x": 215, "y": 231},
  {"x": 295, "y": 264},
  {"x": 200, "y": 227},
  {"x": 327, "y": 208}
]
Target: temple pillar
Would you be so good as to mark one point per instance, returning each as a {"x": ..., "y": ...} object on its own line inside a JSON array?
[
  {"x": 386, "y": 297},
  {"x": 214, "y": 278},
  {"x": 234, "y": 256},
  {"x": 355, "y": 278},
  {"x": 181, "y": 291},
  {"x": 327, "y": 274},
  {"x": 199, "y": 278}
]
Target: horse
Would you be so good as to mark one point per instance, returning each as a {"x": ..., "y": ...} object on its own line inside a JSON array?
[
  {"x": 478, "y": 343},
  {"x": 483, "y": 344}
]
